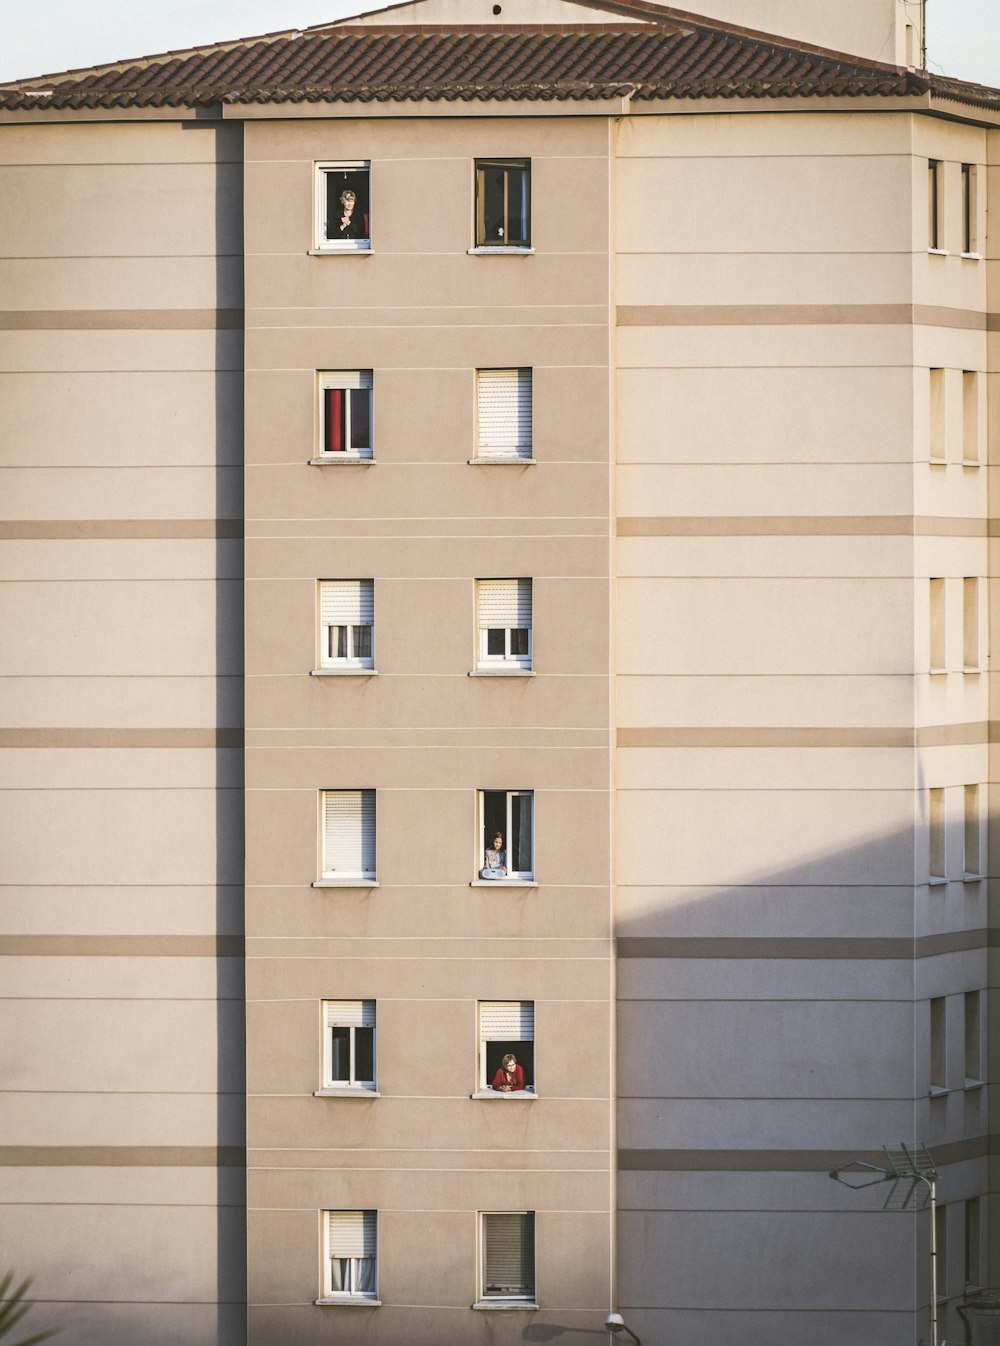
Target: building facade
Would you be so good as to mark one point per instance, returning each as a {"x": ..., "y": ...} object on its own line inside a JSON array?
[{"x": 562, "y": 422}]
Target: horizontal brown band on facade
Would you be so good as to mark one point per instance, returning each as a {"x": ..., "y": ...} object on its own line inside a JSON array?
[
  {"x": 786, "y": 1161},
  {"x": 120, "y": 738},
  {"x": 834, "y": 948},
  {"x": 804, "y": 525},
  {"x": 806, "y": 736},
  {"x": 122, "y": 946},
  {"x": 122, "y": 1156},
  {"x": 804, "y": 315},
  {"x": 121, "y": 319},
  {"x": 71, "y": 530}
]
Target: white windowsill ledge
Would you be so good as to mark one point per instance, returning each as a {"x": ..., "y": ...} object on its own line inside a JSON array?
[
  {"x": 499, "y": 252},
  {"x": 348, "y": 672},
  {"x": 938, "y": 252},
  {"x": 504, "y": 1304},
  {"x": 492, "y": 1095},
  {"x": 937, "y": 672},
  {"x": 341, "y": 252},
  {"x": 971, "y": 668},
  {"x": 347, "y": 1091},
  {"x": 498, "y": 460},
  {"x": 971, "y": 462},
  {"x": 972, "y": 1085},
  {"x": 936, "y": 881},
  {"x": 347, "y": 1302},
  {"x": 345, "y": 883},
  {"x": 973, "y": 878},
  {"x": 501, "y": 673},
  {"x": 342, "y": 460},
  {"x": 503, "y": 883},
  {"x": 938, "y": 1091},
  {"x": 973, "y": 256}
]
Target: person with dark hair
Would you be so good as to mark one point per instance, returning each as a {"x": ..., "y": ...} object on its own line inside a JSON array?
[
  {"x": 509, "y": 1079},
  {"x": 495, "y": 860}
]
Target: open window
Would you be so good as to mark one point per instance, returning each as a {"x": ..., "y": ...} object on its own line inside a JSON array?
[
  {"x": 507, "y": 1028},
  {"x": 503, "y": 203},
  {"x": 346, "y": 624},
  {"x": 506, "y": 835},
  {"x": 345, "y": 416},
  {"x": 350, "y": 1255},
  {"x": 507, "y": 1256},
  {"x": 503, "y": 414},
  {"x": 343, "y": 206},
  {"x": 348, "y": 819},
  {"x": 503, "y": 616},
  {"x": 349, "y": 1044}
]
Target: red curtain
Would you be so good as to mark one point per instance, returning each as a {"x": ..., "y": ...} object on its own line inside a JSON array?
[{"x": 335, "y": 421}]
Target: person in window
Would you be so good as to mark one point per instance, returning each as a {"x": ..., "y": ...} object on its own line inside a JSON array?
[
  {"x": 495, "y": 860},
  {"x": 349, "y": 222},
  {"x": 509, "y": 1079}
]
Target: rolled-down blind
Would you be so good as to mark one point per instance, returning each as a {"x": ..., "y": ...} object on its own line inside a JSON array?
[
  {"x": 349, "y": 1013},
  {"x": 504, "y": 603},
  {"x": 352, "y": 1233},
  {"x": 504, "y": 410},
  {"x": 346, "y": 378},
  {"x": 507, "y": 1020},
  {"x": 347, "y": 602},
  {"x": 509, "y": 1263},
  {"x": 349, "y": 832}
]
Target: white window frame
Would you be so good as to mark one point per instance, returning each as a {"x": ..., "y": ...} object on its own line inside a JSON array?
[
  {"x": 485, "y": 1298},
  {"x": 513, "y": 875},
  {"x": 481, "y": 165},
  {"x": 515, "y": 443},
  {"x": 506, "y": 661},
  {"x": 352, "y": 383},
  {"x": 331, "y": 875},
  {"x": 370, "y": 1233},
  {"x": 352, "y": 1015},
  {"x": 486, "y": 1084},
  {"x": 356, "y": 603},
  {"x": 320, "y": 242}
]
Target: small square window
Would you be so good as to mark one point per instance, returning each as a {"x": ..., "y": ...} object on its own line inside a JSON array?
[
  {"x": 348, "y": 836},
  {"x": 507, "y": 1030},
  {"x": 503, "y": 413},
  {"x": 503, "y": 615},
  {"x": 506, "y": 835},
  {"x": 345, "y": 415},
  {"x": 507, "y": 1260},
  {"x": 350, "y": 1254},
  {"x": 343, "y": 206},
  {"x": 346, "y": 623},
  {"x": 503, "y": 203},
  {"x": 349, "y": 1044}
]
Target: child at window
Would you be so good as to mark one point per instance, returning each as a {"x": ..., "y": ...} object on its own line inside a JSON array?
[{"x": 495, "y": 860}]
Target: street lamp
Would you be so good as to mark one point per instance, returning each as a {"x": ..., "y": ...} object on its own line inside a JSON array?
[{"x": 615, "y": 1323}]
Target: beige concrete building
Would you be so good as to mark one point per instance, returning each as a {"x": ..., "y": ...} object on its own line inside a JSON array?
[{"x": 562, "y": 419}]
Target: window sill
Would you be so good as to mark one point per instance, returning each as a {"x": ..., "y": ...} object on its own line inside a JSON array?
[
  {"x": 971, "y": 1086},
  {"x": 358, "y": 249},
  {"x": 507, "y": 1304},
  {"x": 973, "y": 878},
  {"x": 937, "y": 672},
  {"x": 503, "y": 883},
  {"x": 342, "y": 460},
  {"x": 493, "y": 1095},
  {"x": 971, "y": 668},
  {"x": 936, "y": 882},
  {"x": 938, "y": 1091},
  {"x": 935, "y": 461},
  {"x": 345, "y": 883},
  {"x": 938, "y": 252},
  {"x": 347, "y": 1091},
  {"x": 349, "y": 672},
  {"x": 502, "y": 673},
  {"x": 972, "y": 256},
  {"x": 486, "y": 251},
  {"x": 971, "y": 462},
  {"x": 349, "y": 1302},
  {"x": 500, "y": 460}
]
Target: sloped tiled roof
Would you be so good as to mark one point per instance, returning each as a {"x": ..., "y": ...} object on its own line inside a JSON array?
[{"x": 675, "y": 56}]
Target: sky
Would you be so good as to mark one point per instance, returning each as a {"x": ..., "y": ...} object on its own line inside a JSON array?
[{"x": 40, "y": 37}]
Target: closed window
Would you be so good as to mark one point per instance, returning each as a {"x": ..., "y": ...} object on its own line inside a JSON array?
[
  {"x": 935, "y": 181},
  {"x": 503, "y": 411},
  {"x": 936, "y": 836},
  {"x": 503, "y": 616},
  {"x": 345, "y": 415},
  {"x": 972, "y": 864},
  {"x": 348, "y": 1044},
  {"x": 974, "y": 1073},
  {"x": 351, "y": 1254},
  {"x": 503, "y": 203},
  {"x": 343, "y": 206},
  {"x": 938, "y": 1045},
  {"x": 506, "y": 835},
  {"x": 507, "y": 1256},
  {"x": 507, "y": 1029},
  {"x": 346, "y": 623},
  {"x": 348, "y": 836},
  {"x": 970, "y": 240}
]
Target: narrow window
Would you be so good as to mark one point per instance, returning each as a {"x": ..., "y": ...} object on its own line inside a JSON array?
[
  {"x": 937, "y": 429},
  {"x": 503, "y": 411},
  {"x": 936, "y": 835},
  {"x": 351, "y": 1239},
  {"x": 346, "y": 623},
  {"x": 974, "y": 1242},
  {"x": 348, "y": 1044},
  {"x": 970, "y": 416},
  {"x": 941, "y": 1222},
  {"x": 970, "y": 243},
  {"x": 939, "y": 1071},
  {"x": 506, "y": 835},
  {"x": 911, "y": 46},
  {"x": 973, "y": 1037},
  {"x": 934, "y": 176},
  {"x": 503, "y": 614},
  {"x": 938, "y": 630},
  {"x": 970, "y": 624},
  {"x": 343, "y": 206},
  {"x": 348, "y": 835},
  {"x": 507, "y": 1029},
  {"x": 503, "y": 203},
  {"x": 507, "y": 1269},
  {"x": 345, "y": 415},
  {"x": 973, "y": 861}
]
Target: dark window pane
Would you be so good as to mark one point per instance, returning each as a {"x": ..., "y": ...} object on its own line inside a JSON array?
[
  {"x": 361, "y": 400},
  {"x": 519, "y": 640},
  {"x": 364, "y": 1054},
  {"x": 495, "y": 641},
  {"x": 503, "y": 203},
  {"x": 341, "y": 642},
  {"x": 362, "y": 642},
  {"x": 524, "y": 1051},
  {"x": 494, "y": 817},
  {"x": 340, "y": 180},
  {"x": 521, "y": 838},
  {"x": 494, "y": 212},
  {"x": 340, "y": 1055}
]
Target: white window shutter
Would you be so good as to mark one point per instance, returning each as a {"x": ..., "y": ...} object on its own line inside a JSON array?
[
  {"x": 347, "y": 602},
  {"x": 349, "y": 833},
  {"x": 509, "y": 1252},
  {"x": 507, "y": 1020},
  {"x": 346, "y": 378},
  {"x": 349, "y": 1013},
  {"x": 351, "y": 1233},
  {"x": 504, "y": 603},
  {"x": 504, "y": 412}
]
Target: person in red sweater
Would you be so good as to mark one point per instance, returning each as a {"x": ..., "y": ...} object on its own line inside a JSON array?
[{"x": 510, "y": 1077}]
